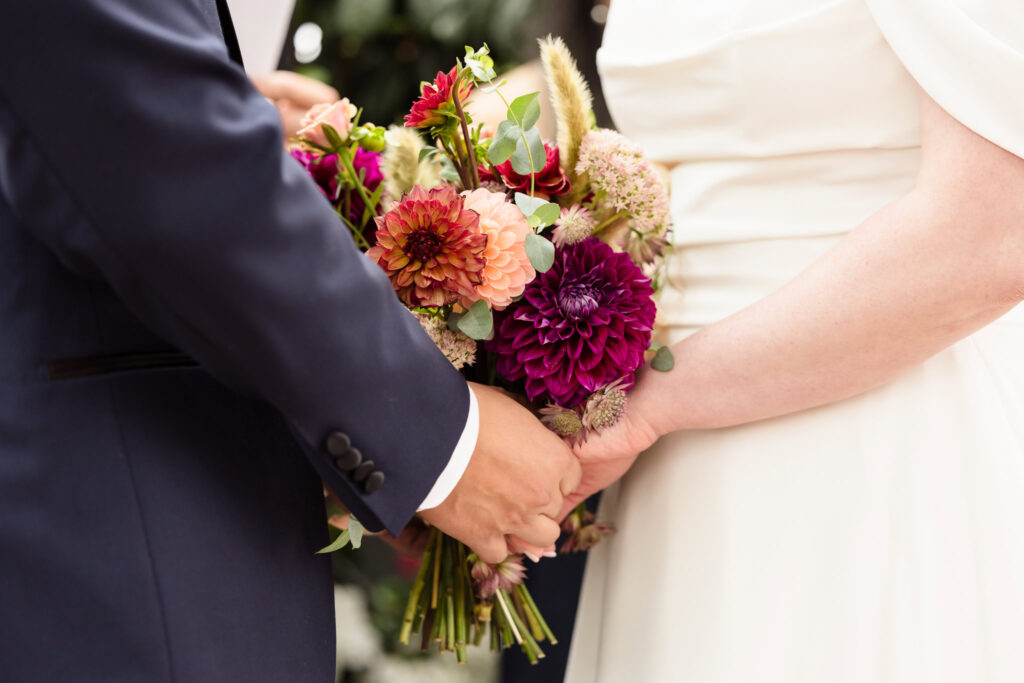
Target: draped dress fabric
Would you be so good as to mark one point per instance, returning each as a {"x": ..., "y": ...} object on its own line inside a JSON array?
[{"x": 880, "y": 538}]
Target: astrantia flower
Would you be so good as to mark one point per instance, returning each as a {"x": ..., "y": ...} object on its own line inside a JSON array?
[
  {"x": 430, "y": 246},
  {"x": 323, "y": 170},
  {"x": 459, "y": 349},
  {"x": 625, "y": 179},
  {"x": 605, "y": 407},
  {"x": 507, "y": 268},
  {"x": 584, "y": 323},
  {"x": 575, "y": 224},
  {"x": 563, "y": 421},
  {"x": 550, "y": 180},
  {"x": 435, "y": 106},
  {"x": 489, "y": 578}
]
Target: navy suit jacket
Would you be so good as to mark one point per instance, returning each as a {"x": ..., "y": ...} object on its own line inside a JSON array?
[{"x": 184, "y": 324}]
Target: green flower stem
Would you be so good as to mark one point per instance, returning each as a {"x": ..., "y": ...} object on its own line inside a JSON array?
[
  {"x": 474, "y": 175},
  {"x": 414, "y": 594},
  {"x": 346, "y": 161},
  {"x": 611, "y": 219},
  {"x": 531, "y": 606},
  {"x": 516, "y": 120},
  {"x": 524, "y": 638},
  {"x": 437, "y": 570},
  {"x": 357, "y": 234}
]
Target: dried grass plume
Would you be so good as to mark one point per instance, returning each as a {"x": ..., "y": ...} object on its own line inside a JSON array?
[
  {"x": 572, "y": 103},
  {"x": 401, "y": 163}
]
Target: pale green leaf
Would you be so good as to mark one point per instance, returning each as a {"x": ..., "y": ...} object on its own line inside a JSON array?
[
  {"x": 548, "y": 213},
  {"x": 529, "y": 157},
  {"x": 355, "y": 532},
  {"x": 527, "y": 204},
  {"x": 525, "y": 110},
  {"x": 494, "y": 88},
  {"x": 477, "y": 323},
  {"x": 503, "y": 143},
  {"x": 663, "y": 360},
  {"x": 541, "y": 252},
  {"x": 340, "y": 542}
]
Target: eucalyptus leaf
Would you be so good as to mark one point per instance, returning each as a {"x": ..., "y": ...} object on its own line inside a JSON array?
[
  {"x": 663, "y": 360},
  {"x": 527, "y": 204},
  {"x": 427, "y": 152},
  {"x": 503, "y": 144},
  {"x": 478, "y": 323},
  {"x": 525, "y": 110},
  {"x": 541, "y": 252},
  {"x": 453, "y": 321},
  {"x": 340, "y": 542},
  {"x": 529, "y": 157},
  {"x": 355, "y": 532},
  {"x": 548, "y": 213},
  {"x": 448, "y": 171}
]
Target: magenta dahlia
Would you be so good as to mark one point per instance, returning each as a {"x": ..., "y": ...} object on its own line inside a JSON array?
[{"x": 583, "y": 324}]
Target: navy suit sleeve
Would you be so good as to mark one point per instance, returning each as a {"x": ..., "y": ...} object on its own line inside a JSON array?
[{"x": 130, "y": 113}]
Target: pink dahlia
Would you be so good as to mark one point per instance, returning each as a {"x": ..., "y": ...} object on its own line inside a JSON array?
[
  {"x": 550, "y": 180},
  {"x": 435, "y": 107},
  {"x": 581, "y": 325},
  {"x": 430, "y": 246},
  {"x": 507, "y": 268}
]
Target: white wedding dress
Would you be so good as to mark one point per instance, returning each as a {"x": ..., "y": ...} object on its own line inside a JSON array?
[{"x": 877, "y": 539}]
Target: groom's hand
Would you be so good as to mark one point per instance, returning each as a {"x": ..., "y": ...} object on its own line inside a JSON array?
[{"x": 515, "y": 483}]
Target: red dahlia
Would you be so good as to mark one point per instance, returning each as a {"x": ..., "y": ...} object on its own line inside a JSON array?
[
  {"x": 550, "y": 180},
  {"x": 435, "y": 106}
]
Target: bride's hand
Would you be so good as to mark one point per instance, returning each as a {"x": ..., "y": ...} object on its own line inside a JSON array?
[{"x": 606, "y": 457}]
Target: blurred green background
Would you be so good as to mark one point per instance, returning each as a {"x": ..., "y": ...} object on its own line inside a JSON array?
[{"x": 376, "y": 52}]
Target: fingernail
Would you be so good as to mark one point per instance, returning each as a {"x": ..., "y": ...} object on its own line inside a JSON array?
[
  {"x": 550, "y": 553},
  {"x": 531, "y": 556}
]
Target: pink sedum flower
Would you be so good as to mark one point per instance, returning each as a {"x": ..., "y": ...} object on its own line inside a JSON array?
[
  {"x": 337, "y": 115},
  {"x": 508, "y": 269},
  {"x": 430, "y": 246}
]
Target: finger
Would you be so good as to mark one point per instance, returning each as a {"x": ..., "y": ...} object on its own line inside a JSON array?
[
  {"x": 492, "y": 551},
  {"x": 534, "y": 552},
  {"x": 571, "y": 501},
  {"x": 301, "y": 90},
  {"x": 571, "y": 476},
  {"x": 539, "y": 530}
]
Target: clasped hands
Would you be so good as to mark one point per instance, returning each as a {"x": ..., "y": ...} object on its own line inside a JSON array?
[{"x": 523, "y": 479}]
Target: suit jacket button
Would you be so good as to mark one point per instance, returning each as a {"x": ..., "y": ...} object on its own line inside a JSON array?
[
  {"x": 338, "y": 443},
  {"x": 349, "y": 460},
  {"x": 363, "y": 471},
  {"x": 374, "y": 482}
]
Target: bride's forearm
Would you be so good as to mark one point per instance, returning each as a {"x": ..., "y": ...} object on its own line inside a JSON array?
[{"x": 910, "y": 281}]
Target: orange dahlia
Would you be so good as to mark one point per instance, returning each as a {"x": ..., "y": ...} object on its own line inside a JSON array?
[
  {"x": 507, "y": 268},
  {"x": 431, "y": 247}
]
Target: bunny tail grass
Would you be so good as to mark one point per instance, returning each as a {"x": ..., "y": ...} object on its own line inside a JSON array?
[{"x": 572, "y": 103}]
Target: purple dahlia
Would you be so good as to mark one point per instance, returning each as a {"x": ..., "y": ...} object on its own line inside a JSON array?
[{"x": 584, "y": 323}]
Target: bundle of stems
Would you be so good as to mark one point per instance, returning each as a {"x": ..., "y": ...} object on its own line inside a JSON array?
[{"x": 447, "y": 606}]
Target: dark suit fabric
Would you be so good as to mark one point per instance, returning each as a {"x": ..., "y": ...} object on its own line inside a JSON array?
[{"x": 159, "y": 523}]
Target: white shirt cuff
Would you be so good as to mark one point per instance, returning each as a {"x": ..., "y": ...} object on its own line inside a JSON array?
[{"x": 459, "y": 461}]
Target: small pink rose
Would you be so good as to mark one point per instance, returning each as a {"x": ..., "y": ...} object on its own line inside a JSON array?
[{"x": 338, "y": 116}]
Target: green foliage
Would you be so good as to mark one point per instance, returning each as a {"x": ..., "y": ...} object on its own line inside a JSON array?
[
  {"x": 353, "y": 534},
  {"x": 541, "y": 252},
  {"x": 478, "y": 322},
  {"x": 529, "y": 156},
  {"x": 539, "y": 213},
  {"x": 525, "y": 110},
  {"x": 663, "y": 360}
]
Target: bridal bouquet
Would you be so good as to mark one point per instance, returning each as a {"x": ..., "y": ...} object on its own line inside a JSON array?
[{"x": 532, "y": 266}]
